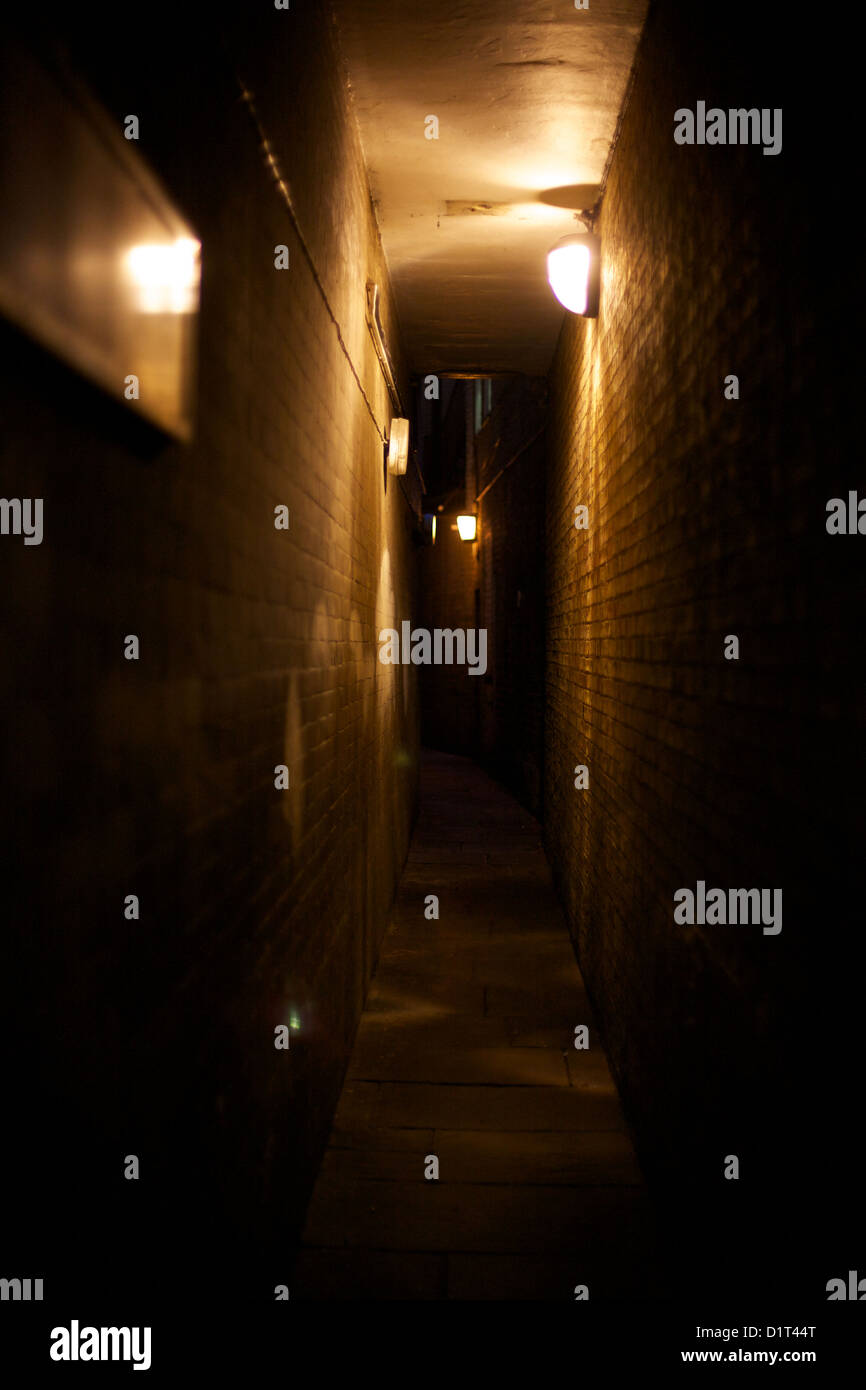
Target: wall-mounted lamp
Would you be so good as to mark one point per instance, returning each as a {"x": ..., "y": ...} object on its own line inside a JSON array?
[
  {"x": 428, "y": 528},
  {"x": 467, "y": 527},
  {"x": 398, "y": 446},
  {"x": 165, "y": 276},
  {"x": 573, "y": 269}
]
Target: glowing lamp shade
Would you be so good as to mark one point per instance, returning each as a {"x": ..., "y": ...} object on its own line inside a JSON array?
[
  {"x": 398, "y": 446},
  {"x": 428, "y": 528},
  {"x": 573, "y": 272},
  {"x": 467, "y": 527}
]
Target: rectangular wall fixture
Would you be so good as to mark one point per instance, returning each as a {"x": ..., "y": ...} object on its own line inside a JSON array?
[{"x": 96, "y": 263}]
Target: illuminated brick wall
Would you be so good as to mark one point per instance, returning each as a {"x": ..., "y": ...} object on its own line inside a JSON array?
[
  {"x": 258, "y": 648},
  {"x": 707, "y": 518}
]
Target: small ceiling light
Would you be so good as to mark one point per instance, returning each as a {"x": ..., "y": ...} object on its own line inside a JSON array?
[
  {"x": 573, "y": 272},
  {"x": 467, "y": 527},
  {"x": 398, "y": 446}
]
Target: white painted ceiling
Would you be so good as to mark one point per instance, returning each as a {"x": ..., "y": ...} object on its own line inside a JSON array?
[{"x": 527, "y": 97}]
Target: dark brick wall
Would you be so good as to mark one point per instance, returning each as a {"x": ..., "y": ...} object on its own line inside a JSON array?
[
  {"x": 707, "y": 517},
  {"x": 510, "y": 461},
  {"x": 257, "y": 648},
  {"x": 496, "y": 584},
  {"x": 448, "y": 580}
]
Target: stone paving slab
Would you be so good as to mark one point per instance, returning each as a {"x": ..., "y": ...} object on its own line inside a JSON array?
[
  {"x": 441, "y": 1105},
  {"x": 440, "y": 1216},
  {"x": 580, "y": 1158}
]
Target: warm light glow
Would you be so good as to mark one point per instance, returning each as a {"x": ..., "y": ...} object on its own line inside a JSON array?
[
  {"x": 572, "y": 269},
  {"x": 432, "y": 530},
  {"x": 467, "y": 527},
  {"x": 166, "y": 276},
  {"x": 398, "y": 446}
]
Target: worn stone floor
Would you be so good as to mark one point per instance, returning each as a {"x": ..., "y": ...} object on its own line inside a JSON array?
[{"x": 465, "y": 1051}]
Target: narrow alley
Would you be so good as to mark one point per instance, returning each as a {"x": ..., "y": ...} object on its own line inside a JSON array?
[{"x": 432, "y": 603}]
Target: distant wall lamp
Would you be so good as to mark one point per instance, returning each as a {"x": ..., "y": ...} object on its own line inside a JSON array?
[
  {"x": 467, "y": 527},
  {"x": 398, "y": 446},
  {"x": 573, "y": 269}
]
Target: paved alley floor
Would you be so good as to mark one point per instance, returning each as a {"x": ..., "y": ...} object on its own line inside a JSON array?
[{"x": 465, "y": 1052}]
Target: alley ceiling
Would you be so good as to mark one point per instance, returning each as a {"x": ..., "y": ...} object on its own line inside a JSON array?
[{"x": 527, "y": 97}]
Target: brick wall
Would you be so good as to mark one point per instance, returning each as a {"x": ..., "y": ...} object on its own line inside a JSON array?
[
  {"x": 448, "y": 578},
  {"x": 258, "y": 647},
  {"x": 510, "y": 461},
  {"x": 707, "y": 518}
]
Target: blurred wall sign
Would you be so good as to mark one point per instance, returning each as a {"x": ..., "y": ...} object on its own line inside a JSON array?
[{"x": 95, "y": 262}]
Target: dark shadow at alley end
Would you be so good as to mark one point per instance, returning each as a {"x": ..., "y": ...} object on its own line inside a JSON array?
[{"x": 346, "y": 903}]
